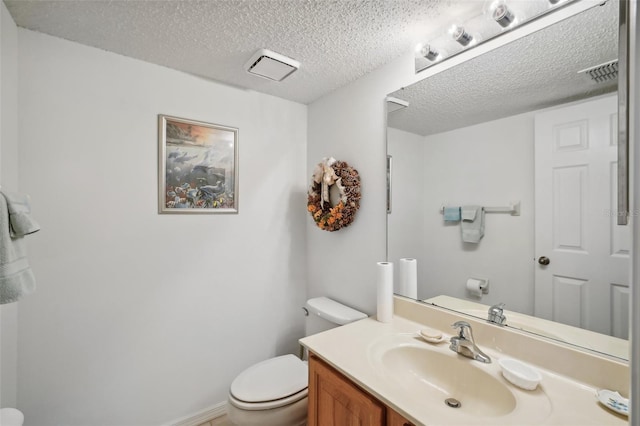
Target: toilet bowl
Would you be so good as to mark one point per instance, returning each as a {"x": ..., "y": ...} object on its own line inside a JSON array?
[
  {"x": 11, "y": 417},
  {"x": 274, "y": 392}
]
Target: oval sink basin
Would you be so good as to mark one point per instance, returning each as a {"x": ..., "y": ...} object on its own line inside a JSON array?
[
  {"x": 440, "y": 376},
  {"x": 427, "y": 375}
]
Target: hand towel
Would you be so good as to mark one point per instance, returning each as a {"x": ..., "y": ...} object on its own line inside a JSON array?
[
  {"x": 472, "y": 225},
  {"x": 16, "y": 277},
  {"x": 20, "y": 221},
  {"x": 451, "y": 214}
]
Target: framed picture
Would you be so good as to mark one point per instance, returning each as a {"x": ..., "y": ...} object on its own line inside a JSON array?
[{"x": 198, "y": 166}]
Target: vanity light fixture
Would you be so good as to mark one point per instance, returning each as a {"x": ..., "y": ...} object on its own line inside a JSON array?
[
  {"x": 508, "y": 14},
  {"x": 503, "y": 15},
  {"x": 429, "y": 52},
  {"x": 461, "y": 36}
]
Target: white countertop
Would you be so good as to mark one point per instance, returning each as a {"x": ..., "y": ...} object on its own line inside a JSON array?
[{"x": 558, "y": 400}]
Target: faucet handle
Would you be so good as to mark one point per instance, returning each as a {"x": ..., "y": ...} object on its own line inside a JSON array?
[
  {"x": 462, "y": 327},
  {"x": 459, "y": 324},
  {"x": 496, "y": 314}
]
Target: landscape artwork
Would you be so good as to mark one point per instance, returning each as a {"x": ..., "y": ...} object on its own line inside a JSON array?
[{"x": 198, "y": 166}]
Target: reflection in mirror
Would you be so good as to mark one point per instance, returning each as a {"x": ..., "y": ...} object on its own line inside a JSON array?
[{"x": 523, "y": 123}]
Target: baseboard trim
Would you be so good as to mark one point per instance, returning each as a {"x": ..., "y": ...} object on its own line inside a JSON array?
[{"x": 206, "y": 415}]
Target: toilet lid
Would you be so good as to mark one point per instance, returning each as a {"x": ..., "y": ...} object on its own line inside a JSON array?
[
  {"x": 11, "y": 417},
  {"x": 272, "y": 379}
]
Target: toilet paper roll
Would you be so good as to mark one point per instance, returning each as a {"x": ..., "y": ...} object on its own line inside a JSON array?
[
  {"x": 408, "y": 285},
  {"x": 384, "y": 289},
  {"x": 474, "y": 286}
]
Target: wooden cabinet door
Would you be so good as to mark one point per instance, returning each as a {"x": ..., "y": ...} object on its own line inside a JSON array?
[
  {"x": 395, "y": 419},
  {"x": 336, "y": 401}
]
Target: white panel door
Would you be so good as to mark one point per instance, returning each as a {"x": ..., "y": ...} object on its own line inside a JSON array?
[{"x": 585, "y": 282}]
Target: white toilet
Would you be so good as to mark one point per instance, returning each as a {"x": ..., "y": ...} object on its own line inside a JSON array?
[{"x": 274, "y": 392}]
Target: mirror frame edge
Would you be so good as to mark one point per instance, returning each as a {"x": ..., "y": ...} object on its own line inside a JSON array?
[{"x": 634, "y": 145}]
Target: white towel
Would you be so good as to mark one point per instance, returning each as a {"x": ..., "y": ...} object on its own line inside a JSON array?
[
  {"x": 472, "y": 224},
  {"x": 16, "y": 277},
  {"x": 20, "y": 221}
]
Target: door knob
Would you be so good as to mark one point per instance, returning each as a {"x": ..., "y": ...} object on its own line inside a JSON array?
[{"x": 543, "y": 260}]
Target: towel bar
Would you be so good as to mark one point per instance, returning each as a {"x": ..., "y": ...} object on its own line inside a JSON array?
[{"x": 513, "y": 208}]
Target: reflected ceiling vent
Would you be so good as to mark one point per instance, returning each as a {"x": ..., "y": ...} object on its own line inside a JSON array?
[
  {"x": 602, "y": 73},
  {"x": 271, "y": 65},
  {"x": 395, "y": 104}
]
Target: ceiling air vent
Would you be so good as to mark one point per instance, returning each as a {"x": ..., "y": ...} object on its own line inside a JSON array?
[
  {"x": 271, "y": 65},
  {"x": 602, "y": 73}
]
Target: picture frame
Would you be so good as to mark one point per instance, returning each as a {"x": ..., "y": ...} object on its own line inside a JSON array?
[{"x": 197, "y": 167}]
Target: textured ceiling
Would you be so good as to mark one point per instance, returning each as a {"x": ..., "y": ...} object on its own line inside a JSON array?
[
  {"x": 534, "y": 72},
  {"x": 337, "y": 41}
]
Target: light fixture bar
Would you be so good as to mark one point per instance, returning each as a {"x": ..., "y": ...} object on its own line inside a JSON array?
[{"x": 508, "y": 14}]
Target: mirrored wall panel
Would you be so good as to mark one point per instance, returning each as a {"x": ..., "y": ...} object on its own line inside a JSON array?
[{"x": 504, "y": 185}]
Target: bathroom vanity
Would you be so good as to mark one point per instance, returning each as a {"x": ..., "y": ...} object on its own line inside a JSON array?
[
  {"x": 374, "y": 373},
  {"x": 335, "y": 399}
]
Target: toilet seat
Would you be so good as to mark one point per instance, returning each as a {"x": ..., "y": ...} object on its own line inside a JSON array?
[
  {"x": 273, "y": 383},
  {"x": 268, "y": 405}
]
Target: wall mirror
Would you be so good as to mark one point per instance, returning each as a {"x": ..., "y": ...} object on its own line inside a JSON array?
[{"x": 533, "y": 122}]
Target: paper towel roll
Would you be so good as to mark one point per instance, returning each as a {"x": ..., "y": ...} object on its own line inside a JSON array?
[
  {"x": 474, "y": 286},
  {"x": 408, "y": 285},
  {"x": 384, "y": 288}
]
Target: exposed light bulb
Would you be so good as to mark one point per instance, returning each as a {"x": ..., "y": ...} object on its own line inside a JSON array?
[
  {"x": 429, "y": 52},
  {"x": 461, "y": 36},
  {"x": 503, "y": 15}
]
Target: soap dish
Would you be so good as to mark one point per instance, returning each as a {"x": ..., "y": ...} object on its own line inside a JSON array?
[
  {"x": 431, "y": 335},
  {"x": 613, "y": 401},
  {"x": 520, "y": 374}
]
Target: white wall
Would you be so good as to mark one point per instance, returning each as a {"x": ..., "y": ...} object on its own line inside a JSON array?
[
  {"x": 489, "y": 164},
  {"x": 406, "y": 221},
  {"x": 140, "y": 318},
  {"x": 9, "y": 181},
  {"x": 349, "y": 124}
]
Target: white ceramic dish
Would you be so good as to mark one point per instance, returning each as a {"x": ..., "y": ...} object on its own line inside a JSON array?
[
  {"x": 613, "y": 401},
  {"x": 520, "y": 374},
  {"x": 431, "y": 335}
]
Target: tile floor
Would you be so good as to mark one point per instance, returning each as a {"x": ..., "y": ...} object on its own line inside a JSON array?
[{"x": 220, "y": 421}]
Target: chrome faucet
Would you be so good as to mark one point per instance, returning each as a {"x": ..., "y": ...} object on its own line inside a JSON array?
[
  {"x": 496, "y": 314},
  {"x": 464, "y": 345}
]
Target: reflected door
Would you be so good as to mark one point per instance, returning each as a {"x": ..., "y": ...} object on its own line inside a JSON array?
[{"x": 582, "y": 255}]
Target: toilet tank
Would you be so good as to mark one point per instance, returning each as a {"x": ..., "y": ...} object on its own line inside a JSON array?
[{"x": 325, "y": 314}]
